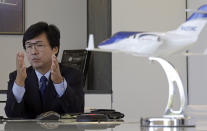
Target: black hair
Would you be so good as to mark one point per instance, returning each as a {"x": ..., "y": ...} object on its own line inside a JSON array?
[{"x": 51, "y": 31}]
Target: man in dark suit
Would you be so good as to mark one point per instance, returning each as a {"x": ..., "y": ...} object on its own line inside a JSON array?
[{"x": 45, "y": 85}]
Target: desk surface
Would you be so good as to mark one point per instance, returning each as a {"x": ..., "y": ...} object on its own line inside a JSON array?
[{"x": 67, "y": 125}]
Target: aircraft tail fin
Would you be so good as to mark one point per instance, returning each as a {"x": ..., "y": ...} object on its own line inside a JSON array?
[
  {"x": 195, "y": 23},
  {"x": 90, "y": 42}
]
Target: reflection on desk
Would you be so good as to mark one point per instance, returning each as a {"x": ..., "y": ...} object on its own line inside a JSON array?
[
  {"x": 67, "y": 125},
  {"x": 57, "y": 125},
  {"x": 34, "y": 126}
]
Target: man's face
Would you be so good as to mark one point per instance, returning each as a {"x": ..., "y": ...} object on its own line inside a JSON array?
[{"x": 39, "y": 53}]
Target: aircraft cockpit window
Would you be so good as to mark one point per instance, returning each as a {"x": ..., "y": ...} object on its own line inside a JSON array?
[{"x": 151, "y": 37}]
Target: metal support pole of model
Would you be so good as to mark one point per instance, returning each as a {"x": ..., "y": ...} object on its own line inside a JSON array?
[{"x": 172, "y": 118}]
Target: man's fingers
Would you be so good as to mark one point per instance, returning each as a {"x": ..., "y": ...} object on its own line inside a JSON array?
[
  {"x": 23, "y": 69},
  {"x": 52, "y": 68},
  {"x": 19, "y": 59},
  {"x": 54, "y": 58},
  {"x": 55, "y": 65},
  {"x": 55, "y": 71},
  {"x": 20, "y": 66}
]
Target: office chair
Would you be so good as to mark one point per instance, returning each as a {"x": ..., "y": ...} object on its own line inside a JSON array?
[{"x": 78, "y": 59}]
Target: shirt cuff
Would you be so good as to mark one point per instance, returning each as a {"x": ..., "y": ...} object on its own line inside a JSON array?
[
  {"x": 18, "y": 92},
  {"x": 60, "y": 88}
]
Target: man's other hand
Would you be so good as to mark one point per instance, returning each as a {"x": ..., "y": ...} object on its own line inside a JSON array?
[
  {"x": 56, "y": 76},
  {"x": 21, "y": 69}
]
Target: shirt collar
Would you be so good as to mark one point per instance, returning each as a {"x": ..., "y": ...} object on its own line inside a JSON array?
[{"x": 39, "y": 75}]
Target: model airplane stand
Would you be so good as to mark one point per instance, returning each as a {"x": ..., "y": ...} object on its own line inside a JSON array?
[{"x": 171, "y": 118}]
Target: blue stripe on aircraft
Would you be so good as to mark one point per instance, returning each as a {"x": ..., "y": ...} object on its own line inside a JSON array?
[
  {"x": 197, "y": 15},
  {"x": 117, "y": 37}
]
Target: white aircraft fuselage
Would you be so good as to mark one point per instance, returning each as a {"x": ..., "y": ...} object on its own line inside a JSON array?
[{"x": 157, "y": 44}]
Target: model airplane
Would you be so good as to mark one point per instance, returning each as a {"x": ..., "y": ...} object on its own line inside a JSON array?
[{"x": 157, "y": 43}]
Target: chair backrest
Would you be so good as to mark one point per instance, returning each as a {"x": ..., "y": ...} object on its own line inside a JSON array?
[{"x": 77, "y": 59}]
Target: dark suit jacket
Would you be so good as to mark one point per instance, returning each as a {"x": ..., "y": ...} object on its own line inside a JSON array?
[{"x": 72, "y": 101}]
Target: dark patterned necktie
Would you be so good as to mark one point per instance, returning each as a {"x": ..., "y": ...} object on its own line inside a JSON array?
[{"x": 43, "y": 85}]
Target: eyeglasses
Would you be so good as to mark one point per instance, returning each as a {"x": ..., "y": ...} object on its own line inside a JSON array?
[{"x": 38, "y": 46}]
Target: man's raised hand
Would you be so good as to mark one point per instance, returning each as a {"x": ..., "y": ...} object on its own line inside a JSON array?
[
  {"x": 21, "y": 69},
  {"x": 56, "y": 76}
]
